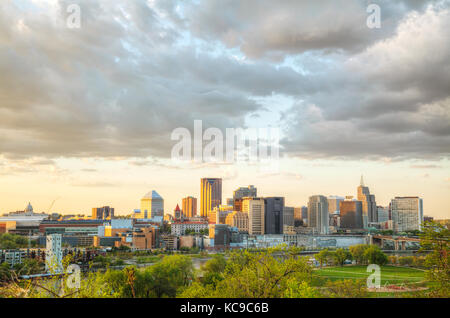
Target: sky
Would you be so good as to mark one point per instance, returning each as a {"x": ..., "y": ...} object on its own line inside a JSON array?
[{"x": 87, "y": 113}]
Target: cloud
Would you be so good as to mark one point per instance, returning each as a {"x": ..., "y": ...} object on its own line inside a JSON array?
[
  {"x": 136, "y": 70},
  {"x": 274, "y": 29},
  {"x": 392, "y": 100}
]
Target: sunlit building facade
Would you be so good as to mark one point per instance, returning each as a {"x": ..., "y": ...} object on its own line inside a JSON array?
[{"x": 210, "y": 195}]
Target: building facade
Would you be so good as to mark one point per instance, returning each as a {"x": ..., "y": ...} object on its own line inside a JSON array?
[
  {"x": 53, "y": 253},
  {"x": 351, "y": 216},
  {"x": 369, "y": 205},
  {"x": 103, "y": 213},
  {"x": 273, "y": 215},
  {"x": 238, "y": 220},
  {"x": 318, "y": 218},
  {"x": 189, "y": 207},
  {"x": 152, "y": 204},
  {"x": 254, "y": 207},
  {"x": 210, "y": 195},
  {"x": 407, "y": 213}
]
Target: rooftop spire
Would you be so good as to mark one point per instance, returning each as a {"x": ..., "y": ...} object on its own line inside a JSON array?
[{"x": 362, "y": 181}]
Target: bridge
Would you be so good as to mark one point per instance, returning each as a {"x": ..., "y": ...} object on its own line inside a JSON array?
[{"x": 399, "y": 241}]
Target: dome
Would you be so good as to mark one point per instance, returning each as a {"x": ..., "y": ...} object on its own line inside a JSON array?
[{"x": 29, "y": 208}]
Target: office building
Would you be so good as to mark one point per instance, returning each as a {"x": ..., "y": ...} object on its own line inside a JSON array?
[
  {"x": 238, "y": 220},
  {"x": 210, "y": 195},
  {"x": 189, "y": 207},
  {"x": 351, "y": 215},
  {"x": 245, "y": 192},
  {"x": 152, "y": 204},
  {"x": 368, "y": 204},
  {"x": 53, "y": 253},
  {"x": 255, "y": 207},
  {"x": 383, "y": 214},
  {"x": 318, "y": 218},
  {"x": 103, "y": 213},
  {"x": 300, "y": 216},
  {"x": 407, "y": 213},
  {"x": 333, "y": 204},
  {"x": 274, "y": 207},
  {"x": 288, "y": 216}
]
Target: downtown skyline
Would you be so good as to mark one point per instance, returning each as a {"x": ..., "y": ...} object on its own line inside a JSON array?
[{"x": 87, "y": 119}]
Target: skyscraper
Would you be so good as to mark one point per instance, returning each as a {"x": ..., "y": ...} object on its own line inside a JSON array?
[
  {"x": 152, "y": 204},
  {"x": 383, "y": 213},
  {"x": 210, "y": 195},
  {"x": 273, "y": 216},
  {"x": 318, "y": 218},
  {"x": 254, "y": 207},
  {"x": 407, "y": 213},
  {"x": 369, "y": 205},
  {"x": 351, "y": 214},
  {"x": 333, "y": 204},
  {"x": 189, "y": 207}
]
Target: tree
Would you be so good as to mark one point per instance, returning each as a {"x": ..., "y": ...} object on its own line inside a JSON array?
[
  {"x": 435, "y": 238},
  {"x": 374, "y": 255},
  {"x": 357, "y": 252},
  {"x": 341, "y": 255},
  {"x": 263, "y": 274},
  {"x": 213, "y": 270},
  {"x": 346, "y": 289},
  {"x": 323, "y": 256}
]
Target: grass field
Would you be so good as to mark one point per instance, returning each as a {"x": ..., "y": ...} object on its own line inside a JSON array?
[{"x": 390, "y": 275}]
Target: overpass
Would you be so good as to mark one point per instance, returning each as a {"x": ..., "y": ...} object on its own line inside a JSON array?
[{"x": 399, "y": 241}]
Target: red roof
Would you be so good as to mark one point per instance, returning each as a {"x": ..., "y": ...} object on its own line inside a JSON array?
[{"x": 177, "y": 208}]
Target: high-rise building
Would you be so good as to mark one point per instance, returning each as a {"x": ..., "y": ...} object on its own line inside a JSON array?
[
  {"x": 152, "y": 204},
  {"x": 239, "y": 220},
  {"x": 288, "y": 216},
  {"x": 254, "y": 207},
  {"x": 210, "y": 195},
  {"x": 273, "y": 217},
  {"x": 103, "y": 213},
  {"x": 301, "y": 214},
  {"x": 245, "y": 192},
  {"x": 53, "y": 253},
  {"x": 189, "y": 207},
  {"x": 333, "y": 204},
  {"x": 383, "y": 214},
  {"x": 351, "y": 214},
  {"x": 407, "y": 213},
  {"x": 318, "y": 218},
  {"x": 368, "y": 204}
]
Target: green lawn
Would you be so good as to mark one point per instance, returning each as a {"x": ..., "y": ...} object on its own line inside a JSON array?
[{"x": 390, "y": 275}]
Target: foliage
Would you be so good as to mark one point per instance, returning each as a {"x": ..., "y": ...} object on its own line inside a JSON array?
[
  {"x": 357, "y": 252},
  {"x": 12, "y": 241},
  {"x": 341, "y": 255},
  {"x": 255, "y": 274},
  {"x": 374, "y": 255},
  {"x": 435, "y": 238},
  {"x": 323, "y": 256},
  {"x": 347, "y": 288}
]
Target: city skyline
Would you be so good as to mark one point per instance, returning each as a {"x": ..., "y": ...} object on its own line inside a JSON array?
[
  {"x": 169, "y": 209},
  {"x": 88, "y": 120}
]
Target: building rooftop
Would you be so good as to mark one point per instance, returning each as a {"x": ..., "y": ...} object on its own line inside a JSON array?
[{"x": 152, "y": 195}]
